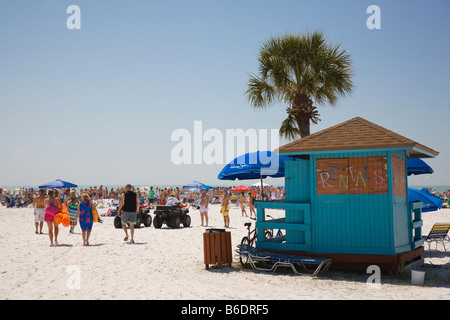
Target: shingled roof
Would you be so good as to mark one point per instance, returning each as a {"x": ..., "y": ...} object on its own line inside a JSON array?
[{"x": 357, "y": 133}]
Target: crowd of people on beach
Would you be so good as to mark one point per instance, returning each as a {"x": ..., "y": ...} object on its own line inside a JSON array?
[
  {"x": 80, "y": 204},
  {"x": 444, "y": 195},
  {"x": 22, "y": 197}
]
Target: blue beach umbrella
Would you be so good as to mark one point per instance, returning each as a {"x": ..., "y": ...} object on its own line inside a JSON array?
[
  {"x": 57, "y": 184},
  {"x": 418, "y": 166},
  {"x": 254, "y": 165},
  {"x": 198, "y": 190},
  {"x": 194, "y": 184},
  {"x": 430, "y": 201}
]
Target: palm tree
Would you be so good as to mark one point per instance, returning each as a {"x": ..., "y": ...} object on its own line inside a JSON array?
[{"x": 300, "y": 70}]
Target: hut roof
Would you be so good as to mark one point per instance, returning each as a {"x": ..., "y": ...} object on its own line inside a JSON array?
[{"x": 356, "y": 134}]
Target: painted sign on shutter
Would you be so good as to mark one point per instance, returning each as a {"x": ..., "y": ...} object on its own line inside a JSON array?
[{"x": 352, "y": 175}]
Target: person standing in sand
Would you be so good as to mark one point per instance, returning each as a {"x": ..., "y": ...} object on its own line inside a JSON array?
[
  {"x": 51, "y": 209},
  {"x": 151, "y": 196},
  {"x": 162, "y": 197},
  {"x": 84, "y": 212},
  {"x": 251, "y": 205},
  {"x": 242, "y": 201},
  {"x": 72, "y": 203},
  {"x": 225, "y": 210},
  {"x": 129, "y": 202},
  {"x": 204, "y": 207},
  {"x": 39, "y": 210}
]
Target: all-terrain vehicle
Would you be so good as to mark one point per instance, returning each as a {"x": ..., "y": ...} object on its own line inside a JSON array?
[
  {"x": 143, "y": 217},
  {"x": 172, "y": 216}
]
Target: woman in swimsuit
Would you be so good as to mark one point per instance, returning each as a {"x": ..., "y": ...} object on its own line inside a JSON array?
[
  {"x": 51, "y": 209},
  {"x": 204, "y": 207},
  {"x": 242, "y": 201},
  {"x": 251, "y": 205}
]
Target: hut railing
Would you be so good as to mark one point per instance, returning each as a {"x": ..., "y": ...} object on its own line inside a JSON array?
[
  {"x": 296, "y": 226},
  {"x": 416, "y": 224}
]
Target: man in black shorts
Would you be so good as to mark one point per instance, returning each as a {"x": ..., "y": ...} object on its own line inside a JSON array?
[{"x": 128, "y": 210}]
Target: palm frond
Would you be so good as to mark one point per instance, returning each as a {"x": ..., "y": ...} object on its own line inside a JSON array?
[
  {"x": 260, "y": 93},
  {"x": 302, "y": 68},
  {"x": 289, "y": 129}
]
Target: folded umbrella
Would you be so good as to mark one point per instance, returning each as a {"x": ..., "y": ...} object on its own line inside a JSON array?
[
  {"x": 430, "y": 201},
  {"x": 418, "y": 166}
]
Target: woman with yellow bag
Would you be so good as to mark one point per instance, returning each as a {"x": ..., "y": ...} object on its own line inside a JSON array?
[{"x": 86, "y": 212}]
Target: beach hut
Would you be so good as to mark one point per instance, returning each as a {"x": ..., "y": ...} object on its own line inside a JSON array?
[{"x": 348, "y": 199}]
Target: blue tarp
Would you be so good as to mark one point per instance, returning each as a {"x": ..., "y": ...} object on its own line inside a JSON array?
[
  {"x": 58, "y": 183},
  {"x": 430, "y": 201},
  {"x": 255, "y": 165}
]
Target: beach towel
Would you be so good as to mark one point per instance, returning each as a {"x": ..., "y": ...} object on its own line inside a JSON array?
[
  {"x": 63, "y": 219},
  {"x": 64, "y": 209},
  {"x": 73, "y": 211},
  {"x": 50, "y": 212},
  {"x": 58, "y": 203},
  {"x": 58, "y": 218}
]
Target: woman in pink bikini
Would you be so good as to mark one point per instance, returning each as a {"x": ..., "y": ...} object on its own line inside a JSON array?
[{"x": 51, "y": 209}]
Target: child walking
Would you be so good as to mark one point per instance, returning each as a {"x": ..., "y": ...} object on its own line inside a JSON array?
[{"x": 225, "y": 210}]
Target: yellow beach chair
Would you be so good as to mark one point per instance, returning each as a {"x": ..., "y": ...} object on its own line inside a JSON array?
[{"x": 438, "y": 234}]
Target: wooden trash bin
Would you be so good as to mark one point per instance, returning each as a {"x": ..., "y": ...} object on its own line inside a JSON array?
[{"x": 217, "y": 247}]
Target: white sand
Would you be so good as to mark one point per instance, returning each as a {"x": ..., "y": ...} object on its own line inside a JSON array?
[{"x": 168, "y": 264}]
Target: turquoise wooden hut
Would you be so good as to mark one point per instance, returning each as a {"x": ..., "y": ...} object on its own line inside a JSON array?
[{"x": 348, "y": 199}]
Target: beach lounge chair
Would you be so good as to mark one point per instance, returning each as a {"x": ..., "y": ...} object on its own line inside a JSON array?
[
  {"x": 438, "y": 234},
  {"x": 271, "y": 261}
]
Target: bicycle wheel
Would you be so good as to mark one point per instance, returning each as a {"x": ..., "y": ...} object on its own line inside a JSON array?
[
  {"x": 268, "y": 234},
  {"x": 244, "y": 259}
]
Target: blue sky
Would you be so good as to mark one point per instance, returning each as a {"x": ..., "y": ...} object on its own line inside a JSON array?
[{"x": 98, "y": 105}]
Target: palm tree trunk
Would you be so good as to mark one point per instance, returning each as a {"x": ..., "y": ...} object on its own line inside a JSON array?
[
  {"x": 303, "y": 126},
  {"x": 304, "y": 112}
]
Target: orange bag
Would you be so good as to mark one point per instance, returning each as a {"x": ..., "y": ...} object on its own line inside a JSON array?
[{"x": 94, "y": 213}]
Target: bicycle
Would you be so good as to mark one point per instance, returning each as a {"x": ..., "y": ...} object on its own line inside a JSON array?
[
  {"x": 268, "y": 234},
  {"x": 250, "y": 239}
]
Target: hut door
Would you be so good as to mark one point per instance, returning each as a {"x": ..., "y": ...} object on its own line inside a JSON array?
[{"x": 297, "y": 181}]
